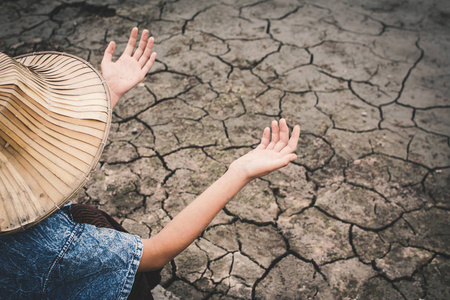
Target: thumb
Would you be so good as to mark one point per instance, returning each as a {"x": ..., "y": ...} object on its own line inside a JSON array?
[
  {"x": 109, "y": 53},
  {"x": 286, "y": 159}
]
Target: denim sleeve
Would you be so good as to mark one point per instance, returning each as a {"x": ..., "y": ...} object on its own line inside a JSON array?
[
  {"x": 101, "y": 263},
  {"x": 61, "y": 259}
]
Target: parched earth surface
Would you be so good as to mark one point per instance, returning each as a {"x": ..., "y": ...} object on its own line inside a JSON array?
[{"x": 363, "y": 213}]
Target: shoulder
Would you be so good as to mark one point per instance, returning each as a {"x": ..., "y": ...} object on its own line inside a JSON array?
[
  {"x": 100, "y": 262},
  {"x": 27, "y": 256}
]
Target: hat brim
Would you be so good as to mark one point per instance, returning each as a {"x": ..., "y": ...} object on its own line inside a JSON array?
[{"x": 55, "y": 115}]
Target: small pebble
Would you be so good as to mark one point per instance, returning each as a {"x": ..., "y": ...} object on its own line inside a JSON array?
[
  {"x": 363, "y": 114},
  {"x": 36, "y": 40},
  {"x": 134, "y": 131},
  {"x": 17, "y": 45}
]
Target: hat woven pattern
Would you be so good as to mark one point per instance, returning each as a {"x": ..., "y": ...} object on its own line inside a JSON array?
[{"x": 54, "y": 119}]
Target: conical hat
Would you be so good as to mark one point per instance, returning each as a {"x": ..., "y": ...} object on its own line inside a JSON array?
[{"x": 54, "y": 120}]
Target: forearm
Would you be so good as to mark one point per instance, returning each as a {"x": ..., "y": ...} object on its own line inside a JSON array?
[{"x": 191, "y": 222}]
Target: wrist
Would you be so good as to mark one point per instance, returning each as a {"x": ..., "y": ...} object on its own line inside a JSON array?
[
  {"x": 114, "y": 98},
  {"x": 235, "y": 171}
]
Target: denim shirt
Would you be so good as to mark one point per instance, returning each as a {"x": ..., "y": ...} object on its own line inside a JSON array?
[{"x": 60, "y": 259}]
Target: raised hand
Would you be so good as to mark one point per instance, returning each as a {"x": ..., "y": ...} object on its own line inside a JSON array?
[
  {"x": 271, "y": 154},
  {"x": 122, "y": 75}
]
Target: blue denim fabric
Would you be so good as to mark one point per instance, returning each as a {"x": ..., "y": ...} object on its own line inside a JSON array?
[{"x": 60, "y": 259}]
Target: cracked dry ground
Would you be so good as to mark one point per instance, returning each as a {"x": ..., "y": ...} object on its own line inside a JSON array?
[{"x": 364, "y": 210}]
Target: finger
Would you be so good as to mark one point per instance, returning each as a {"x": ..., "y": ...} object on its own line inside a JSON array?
[
  {"x": 147, "y": 53},
  {"x": 265, "y": 139},
  {"x": 293, "y": 141},
  {"x": 284, "y": 136},
  {"x": 275, "y": 135},
  {"x": 131, "y": 42},
  {"x": 109, "y": 51},
  {"x": 283, "y": 160},
  {"x": 142, "y": 45},
  {"x": 149, "y": 64},
  {"x": 288, "y": 158}
]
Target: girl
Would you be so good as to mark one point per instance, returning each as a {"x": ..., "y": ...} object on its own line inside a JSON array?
[{"x": 63, "y": 257}]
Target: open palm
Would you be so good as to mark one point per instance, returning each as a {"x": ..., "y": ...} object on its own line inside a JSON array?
[
  {"x": 271, "y": 154},
  {"x": 129, "y": 69}
]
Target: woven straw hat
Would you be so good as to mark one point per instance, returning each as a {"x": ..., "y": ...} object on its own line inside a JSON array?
[{"x": 54, "y": 119}]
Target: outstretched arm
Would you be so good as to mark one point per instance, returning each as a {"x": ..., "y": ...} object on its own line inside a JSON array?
[
  {"x": 122, "y": 75},
  {"x": 190, "y": 223}
]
